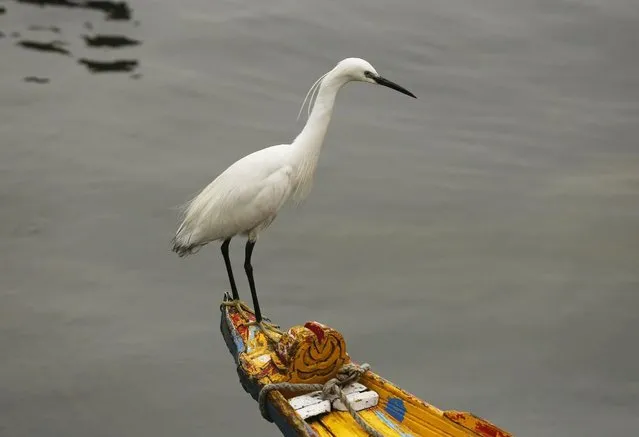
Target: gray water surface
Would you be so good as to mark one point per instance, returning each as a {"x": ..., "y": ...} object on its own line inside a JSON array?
[{"x": 478, "y": 246}]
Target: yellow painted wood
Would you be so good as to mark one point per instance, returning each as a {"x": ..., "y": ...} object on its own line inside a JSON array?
[
  {"x": 321, "y": 431},
  {"x": 314, "y": 353},
  {"x": 407, "y": 427},
  {"x": 342, "y": 424},
  {"x": 420, "y": 420},
  {"x": 477, "y": 424}
]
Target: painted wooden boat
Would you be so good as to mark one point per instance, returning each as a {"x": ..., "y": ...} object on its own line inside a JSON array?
[{"x": 313, "y": 354}]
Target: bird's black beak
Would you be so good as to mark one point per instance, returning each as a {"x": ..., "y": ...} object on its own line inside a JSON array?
[{"x": 385, "y": 82}]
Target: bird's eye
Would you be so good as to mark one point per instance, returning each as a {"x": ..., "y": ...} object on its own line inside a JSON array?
[{"x": 368, "y": 74}]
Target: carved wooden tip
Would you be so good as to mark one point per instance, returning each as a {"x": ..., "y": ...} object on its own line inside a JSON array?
[{"x": 312, "y": 353}]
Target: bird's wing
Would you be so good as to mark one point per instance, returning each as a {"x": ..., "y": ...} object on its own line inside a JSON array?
[
  {"x": 264, "y": 206},
  {"x": 249, "y": 192}
]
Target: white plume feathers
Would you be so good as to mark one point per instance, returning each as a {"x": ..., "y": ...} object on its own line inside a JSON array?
[{"x": 312, "y": 92}]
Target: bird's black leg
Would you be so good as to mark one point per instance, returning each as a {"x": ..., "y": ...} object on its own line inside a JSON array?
[
  {"x": 229, "y": 270},
  {"x": 248, "y": 268},
  {"x": 267, "y": 328}
]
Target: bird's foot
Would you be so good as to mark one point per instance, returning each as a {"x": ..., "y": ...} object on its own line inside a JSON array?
[
  {"x": 271, "y": 331},
  {"x": 239, "y": 306}
]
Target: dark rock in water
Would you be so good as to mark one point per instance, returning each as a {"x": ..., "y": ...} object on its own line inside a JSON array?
[
  {"x": 36, "y": 79},
  {"x": 54, "y": 29},
  {"x": 113, "y": 41},
  {"x": 63, "y": 3},
  {"x": 3, "y": 10},
  {"x": 51, "y": 47},
  {"x": 114, "y": 10},
  {"x": 120, "y": 65}
]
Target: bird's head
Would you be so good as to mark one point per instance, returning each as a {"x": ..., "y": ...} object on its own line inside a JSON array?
[{"x": 356, "y": 69}]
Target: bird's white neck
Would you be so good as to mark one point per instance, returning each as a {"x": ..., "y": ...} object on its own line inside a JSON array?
[{"x": 308, "y": 144}]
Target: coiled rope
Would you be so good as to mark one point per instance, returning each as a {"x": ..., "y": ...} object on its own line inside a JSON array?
[{"x": 331, "y": 390}]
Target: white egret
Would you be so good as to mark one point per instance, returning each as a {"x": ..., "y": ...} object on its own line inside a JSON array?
[{"x": 246, "y": 197}]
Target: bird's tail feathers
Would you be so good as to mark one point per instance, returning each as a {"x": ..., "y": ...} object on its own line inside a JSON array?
[
  {"x": 183, "y": 246},
  {"x": 182, "y": 242},
  {"x": 188, "y": 239}
]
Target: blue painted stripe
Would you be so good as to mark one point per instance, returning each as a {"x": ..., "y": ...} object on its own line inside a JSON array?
[
  {"x": 396, "y": 408},
  {"x": 237, "y": 338}
]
